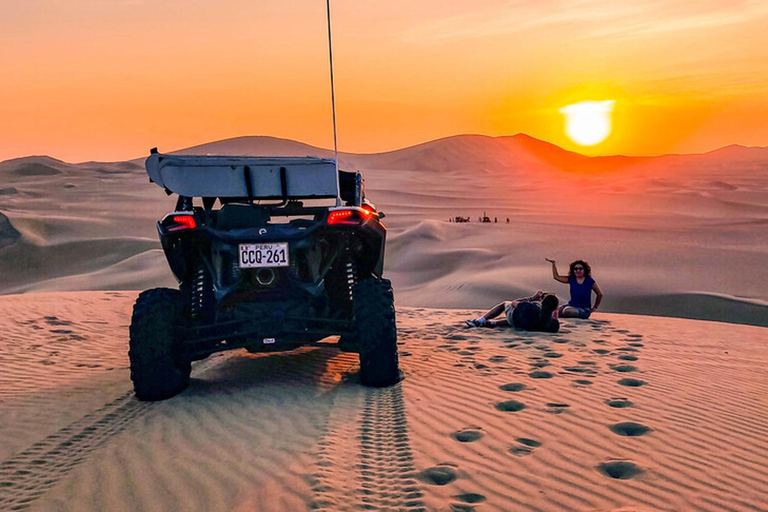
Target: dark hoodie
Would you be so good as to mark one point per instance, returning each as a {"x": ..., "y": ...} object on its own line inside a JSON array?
[{"x": 533, "y": 316}]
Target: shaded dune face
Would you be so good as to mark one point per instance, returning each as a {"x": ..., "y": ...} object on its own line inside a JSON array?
[
  {"x": 35, "y": 169},
  {"x": 8, "y": 234}
]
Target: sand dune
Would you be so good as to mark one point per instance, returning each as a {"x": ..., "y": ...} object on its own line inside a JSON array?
[
  {"x": 667, "y": 235},
  {"x": 617, "y": 413},
  {"x": 621, "y": 412}
]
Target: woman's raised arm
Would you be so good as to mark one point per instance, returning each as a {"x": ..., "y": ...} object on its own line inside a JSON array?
[{"x": 555, "y": 274}]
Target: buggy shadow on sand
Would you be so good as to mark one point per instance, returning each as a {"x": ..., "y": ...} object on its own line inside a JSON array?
[{"x": 270, "y": 254}]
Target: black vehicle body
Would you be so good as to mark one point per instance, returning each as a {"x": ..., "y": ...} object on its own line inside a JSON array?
[{"x": 260, "y": 269}]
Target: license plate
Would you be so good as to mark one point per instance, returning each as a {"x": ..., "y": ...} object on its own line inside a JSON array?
[{"x": 264, "y": 255}]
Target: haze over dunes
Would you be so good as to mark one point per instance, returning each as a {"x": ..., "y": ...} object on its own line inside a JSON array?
[{"x": 677, "y": 235}]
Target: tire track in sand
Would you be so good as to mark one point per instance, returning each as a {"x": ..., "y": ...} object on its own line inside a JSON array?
[
  {"x": 377, "y": 472},
  {"x": 28, "y": 475}
]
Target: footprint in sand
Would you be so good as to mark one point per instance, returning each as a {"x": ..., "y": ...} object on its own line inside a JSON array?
[
  {"x": 541, "y": 375},
  {"x": 619, "y": 469},
  {"x": 460, "y": 507},
  {"x": 497, "y": 359},
  {"x": 632, "y": 383},
  {"x": 619, "y": 403},
  {"x": 627, "y": 357},
  {"x": 630, "y": 429},
  {"x": 582, "y": 382},
  {"x": 553, "y": 355},
  {"x": 526, "y": 448},
  {"x": 513, "y": 386},
  {"x": 470, "y": 497},
  {"x": 601, "y": 351},
  {"x": 442, "y": 474},
  {"x": 556, "y": 408},
  {"x": 510, "y": 406},
  {"x": 468, "y": 435},
  {"x": 53, "y": 320},
  {"x": 623, "y": 368}
]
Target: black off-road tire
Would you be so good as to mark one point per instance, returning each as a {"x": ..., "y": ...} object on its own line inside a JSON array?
[
  {"x": 157, "y": 370},
  {"x": 376, "y": 332}
]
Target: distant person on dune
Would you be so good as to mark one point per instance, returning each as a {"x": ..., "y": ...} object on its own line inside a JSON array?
[
  {"x": 582, "y": 286},
  {"x": 535, "y": 313}
]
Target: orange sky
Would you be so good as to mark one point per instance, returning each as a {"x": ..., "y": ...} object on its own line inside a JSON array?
[{"x": 109, "y": 79}]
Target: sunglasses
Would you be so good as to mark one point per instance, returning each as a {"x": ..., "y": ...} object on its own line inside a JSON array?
[{"x": 578, "y": 268}]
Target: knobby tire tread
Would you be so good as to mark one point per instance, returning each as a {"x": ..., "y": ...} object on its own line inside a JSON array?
[
  {"x": 376, "y": 332},
  {"x": 156, "y": 371}
]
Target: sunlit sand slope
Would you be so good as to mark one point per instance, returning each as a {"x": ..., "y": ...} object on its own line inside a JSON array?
[{"x": 616, "y": 413}]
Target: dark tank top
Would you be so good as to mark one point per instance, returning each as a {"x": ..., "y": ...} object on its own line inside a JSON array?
[{"x": 581, "y": 294}]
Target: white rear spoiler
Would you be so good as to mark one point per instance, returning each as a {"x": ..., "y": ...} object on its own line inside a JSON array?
[{"x": 244, "y": 176}]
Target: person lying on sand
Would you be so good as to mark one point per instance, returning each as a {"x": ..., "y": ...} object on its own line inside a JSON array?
[
  {"x": 582, "y": 285},
  {"x": 535, "y": 313}
]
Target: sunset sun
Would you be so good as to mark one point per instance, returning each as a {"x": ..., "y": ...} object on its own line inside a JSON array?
[{"x": 589, "y": 122}]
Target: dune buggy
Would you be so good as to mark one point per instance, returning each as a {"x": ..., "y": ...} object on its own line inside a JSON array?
[{"x": 270, "y": 254}]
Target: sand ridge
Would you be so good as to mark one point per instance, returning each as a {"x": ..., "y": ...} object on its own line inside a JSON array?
[
  {"x": 676, "y": 235},
  {"x": 618, "y": 412}
]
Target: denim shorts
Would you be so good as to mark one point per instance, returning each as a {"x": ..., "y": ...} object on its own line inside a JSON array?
[{"x": 583, "y": 312}]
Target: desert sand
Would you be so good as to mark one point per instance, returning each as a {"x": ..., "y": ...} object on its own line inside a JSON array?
[
  {"x": 620, "y": 412},
  {"x": 617, "y": 413}
]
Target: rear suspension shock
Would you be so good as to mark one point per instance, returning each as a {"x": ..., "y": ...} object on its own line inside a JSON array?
[{"x": 200, "y": 290}]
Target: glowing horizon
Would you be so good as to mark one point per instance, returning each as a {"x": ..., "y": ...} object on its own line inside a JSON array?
[{"x": 107, "y": 80}]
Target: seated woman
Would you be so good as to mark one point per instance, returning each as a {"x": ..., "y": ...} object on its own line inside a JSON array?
[
  {"x": 535, "y": 313},
  {"x": 582, "y": 286}
]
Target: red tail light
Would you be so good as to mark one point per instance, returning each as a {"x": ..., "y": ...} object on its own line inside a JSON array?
[
  {"x": 348, "y": 217},
  {"x": 183, "y": 222}
]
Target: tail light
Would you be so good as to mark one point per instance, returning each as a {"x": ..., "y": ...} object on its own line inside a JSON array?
[
  {"x": 348, "y": 217},
  {"x": 179, "y": 222}
]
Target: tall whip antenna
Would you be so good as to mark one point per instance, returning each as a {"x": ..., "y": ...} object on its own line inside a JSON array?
[{"x": 333, "y": 105}]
